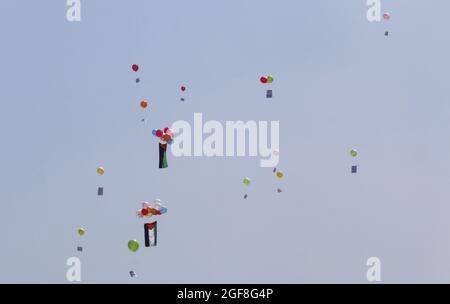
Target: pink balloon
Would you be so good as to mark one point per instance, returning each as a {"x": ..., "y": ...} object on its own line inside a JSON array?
[
  {"x": 169, "y": 132},
  {"x": 159, "y": 133},
  {"x": 386, "y": 16}
]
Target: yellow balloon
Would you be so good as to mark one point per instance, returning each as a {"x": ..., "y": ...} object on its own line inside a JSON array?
[
  {"x": 100, "y": 171},
  {"x": 81, "y": 231},
  {"x": 280, "y": 174}
]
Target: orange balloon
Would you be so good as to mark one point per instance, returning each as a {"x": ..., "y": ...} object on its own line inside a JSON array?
[
  {"x": 144, "y": 104},
  {"x": 166, "y": 137}
]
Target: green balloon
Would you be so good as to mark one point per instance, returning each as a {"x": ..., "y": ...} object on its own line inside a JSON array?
[
  {"x": 270, "y": 79},
  {"x": 133, "y": 245},
  {"x": 354, "y": 153},
  {"x": 247, "y": 181}
]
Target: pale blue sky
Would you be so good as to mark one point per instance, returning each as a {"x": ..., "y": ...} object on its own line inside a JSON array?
[{"x": 69, "y": 103}]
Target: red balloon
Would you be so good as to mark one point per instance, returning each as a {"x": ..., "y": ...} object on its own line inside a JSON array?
[
  {"x": 183, "y": 88},
  {"x": 263, "y": 79},
  {"x": 144, "y": 104},
  {"x": 165, "y": 129},
  {"x": 144, "y": 211},
  {"x": 159, "y": 133},
  {"x": 135, "y": 67}
]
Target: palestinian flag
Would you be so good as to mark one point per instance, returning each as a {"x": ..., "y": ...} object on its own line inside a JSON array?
[
  {"x": 151, "y": 234},
  {"x": 162, "y": 156}
]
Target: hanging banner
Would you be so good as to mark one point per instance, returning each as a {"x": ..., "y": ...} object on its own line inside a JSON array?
[{"x": 151, "y": 234}]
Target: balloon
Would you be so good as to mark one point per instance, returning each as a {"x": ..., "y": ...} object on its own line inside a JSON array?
[
  {"x": 154, "y": 132},
  {"x": 166, "y": 137},
  {"x": 169, "y": 132},
  {"x": 166, "y": 129},
  {"x": 100, "y": 171},
  {"x": 157, "y": 201},
  {"x": 133, "y": 245},
  {"x": 263, "y": 79},
  {"x": 270, "y": 79},
  {"x": 135, "y": 67},
  {"x": 247, "y": 181},
  {"x": 183, "y": 88},
  {"x": 170, "y": 141},
  {"x": 144, "y": 104},
  {"x": 159, "y": 133},
  {"x": 386, "y": 16},
  {"x": 354, "y": 153},
  {"x": 280, "y": 174},
  {"x": 144, "y": 211},
  {"x": 163, "y": 210},
  {"x": 81, "y": 231}
]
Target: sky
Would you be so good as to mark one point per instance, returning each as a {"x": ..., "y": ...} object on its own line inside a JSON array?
[{"x": 70, "y": 103}]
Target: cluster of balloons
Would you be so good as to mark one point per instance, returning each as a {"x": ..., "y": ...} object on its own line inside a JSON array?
[
  {"x": 267, "y": 79},
  {"x": 147, "y": 210},
  {"x": 165, "y": 135}
]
